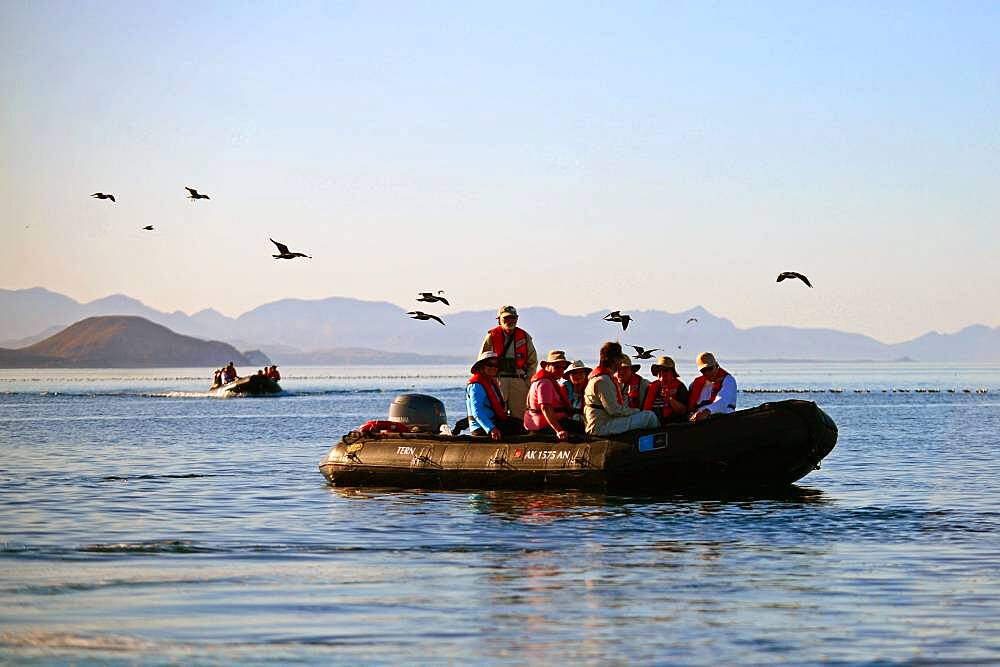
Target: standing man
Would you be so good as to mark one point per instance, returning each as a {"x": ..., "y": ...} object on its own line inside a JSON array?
[{"x": 518, "y": 359}]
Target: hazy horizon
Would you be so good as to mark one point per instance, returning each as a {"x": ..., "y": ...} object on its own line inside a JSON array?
[
  {"x": 517, "y": 155},
  {"x": 455, "y": 311}
]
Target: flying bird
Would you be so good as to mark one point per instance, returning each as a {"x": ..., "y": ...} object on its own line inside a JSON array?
[
  {"x": 148, "y": 228},
  {"x": 616, "y": 316},
  {"x": 691, "y": 319},
  {"x": 431, "y": 298},
  {"x": 285, "y": 254},
  {"x": 101, "y": 195},
  {"x": 792, "y": 274},
  {"x": 195, "y": 194},
  {"x": 643, "y": 353},
  {"x": 420, "y": 315}
]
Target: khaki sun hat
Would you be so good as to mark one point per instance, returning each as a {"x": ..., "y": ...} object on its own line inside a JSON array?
[
  {"x": 664, "y": 363},
  {"x": 556, "y": 357},
  {"x": 507, "y": 310},
  {"x": 578, "y": 365},
  {"x": 488, "y": 354},
  {"x": 625, "y": 359},
  {"x": 705, "y": 360}
]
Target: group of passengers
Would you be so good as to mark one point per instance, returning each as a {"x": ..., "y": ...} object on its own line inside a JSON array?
[
  {"x": 224, "y": 375},
  {"x": 228, "y": 374},
  {"x": 505, "y": 396}
]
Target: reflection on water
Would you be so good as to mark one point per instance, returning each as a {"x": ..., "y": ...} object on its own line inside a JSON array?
[
  {"x": 537, "y": 506},
  {"x": 143, "y": 528}
]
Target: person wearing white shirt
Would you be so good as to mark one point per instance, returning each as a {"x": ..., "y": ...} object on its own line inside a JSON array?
[{"x": 713, "y": 392}]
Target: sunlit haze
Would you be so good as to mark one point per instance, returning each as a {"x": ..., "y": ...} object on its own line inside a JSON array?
[{"x": 578, "y": 156}]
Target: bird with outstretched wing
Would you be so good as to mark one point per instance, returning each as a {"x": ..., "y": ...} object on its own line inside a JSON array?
[
  {"x": 421, "y": 315},
  {"x": 786, "y": 275},
  {"x": 284, "y": 253},
  {"x": 643, "y": 353},
  {"x": 429, "y": 297}
]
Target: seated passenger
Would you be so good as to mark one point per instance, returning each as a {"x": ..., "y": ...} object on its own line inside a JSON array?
[
  {"x": 667, "y": 396},
  {"x": 272, "y": 372},
  {"x": 549, "y": 409},
  {"x": 575, "y": 382},
  {"x": 484, "y": 401},
  {"x": 604, "y": 409},
  {"x": 713, "y": 392},
  {"x": 229, "y": 373},
  {"x": 634, "y": 388},
  {"x": 217, "y": 378}
]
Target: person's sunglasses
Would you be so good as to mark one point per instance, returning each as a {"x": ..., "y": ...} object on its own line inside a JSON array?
[
  {"x": 707, "y": 370},
  {"x": 491, "y": 364}
]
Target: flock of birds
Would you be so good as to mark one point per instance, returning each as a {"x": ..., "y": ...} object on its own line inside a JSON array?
[
  {"x": 614, "y": 316},
  {"x": 283, "y": 251},
  {"x": 429, "y": 297}
]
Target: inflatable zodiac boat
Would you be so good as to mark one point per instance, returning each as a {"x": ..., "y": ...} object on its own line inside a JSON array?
[
  {"x": 773, "y": 444},
  {"x": 251, "y": 385}
]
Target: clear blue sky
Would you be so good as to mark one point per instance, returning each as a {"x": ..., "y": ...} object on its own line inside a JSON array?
[{"x": 573, "y": 155}]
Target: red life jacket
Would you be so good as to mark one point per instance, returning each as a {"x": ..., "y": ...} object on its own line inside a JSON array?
[
  {"x": 520, "y": 345},
  {"x": 632, "y": 391},
  {"x": 699, "y": 384},
  {"x": 493, "y": 392},
  {"x": 601, "y": 370},
  {"x": 661, "y": 390},
  {"x": 383, "y": 426},
  {"x": 543, "y": 374}
]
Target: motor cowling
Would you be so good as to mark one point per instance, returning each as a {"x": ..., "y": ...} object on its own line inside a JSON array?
[{"x": 422, "y": 413}]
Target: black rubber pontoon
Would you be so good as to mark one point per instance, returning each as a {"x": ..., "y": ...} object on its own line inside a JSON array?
[{"x": 773, "y": 444}]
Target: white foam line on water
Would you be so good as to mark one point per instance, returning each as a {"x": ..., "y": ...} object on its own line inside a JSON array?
[{"x": 256, "y": 415}]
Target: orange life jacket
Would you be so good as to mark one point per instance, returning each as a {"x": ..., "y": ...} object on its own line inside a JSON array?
[
  {"x": 543, "y": 374},
  {"x": 520, "y": 345},
  {"x": 601, "y": 370},
  {"x": 699, "y": 384},
  {"x": 660, "y": 389},
  {"x": 493, "y": 392}
]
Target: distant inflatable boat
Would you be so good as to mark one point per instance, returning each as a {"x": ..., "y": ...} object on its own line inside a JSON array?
[
  {"x": 774, "y": 444},
  {"x": 251, "y": 385}
]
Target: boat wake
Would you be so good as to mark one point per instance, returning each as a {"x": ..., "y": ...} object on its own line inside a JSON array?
[{"x": 184, "y": 394}]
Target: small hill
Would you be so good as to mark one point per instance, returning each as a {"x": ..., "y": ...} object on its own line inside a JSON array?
[{"x": 120, "y": 341}]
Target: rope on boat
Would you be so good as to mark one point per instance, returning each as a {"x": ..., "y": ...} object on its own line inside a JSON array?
[{"x": 834, "y": 390}]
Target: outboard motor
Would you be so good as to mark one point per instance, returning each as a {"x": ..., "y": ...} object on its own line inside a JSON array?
[{"x": 424, "y": 414}]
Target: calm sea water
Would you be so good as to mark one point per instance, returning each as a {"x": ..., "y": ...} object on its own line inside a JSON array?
[{"x": 142, "y": 521}]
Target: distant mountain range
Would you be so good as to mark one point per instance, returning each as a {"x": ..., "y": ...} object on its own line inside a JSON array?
[{"x": 325, "y": 331}]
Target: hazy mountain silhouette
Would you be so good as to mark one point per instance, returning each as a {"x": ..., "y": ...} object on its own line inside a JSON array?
[
  {"x": 299, "y": 326},
  {"x": 120, "y": 342},
  {"x": 360, "y": 356}
]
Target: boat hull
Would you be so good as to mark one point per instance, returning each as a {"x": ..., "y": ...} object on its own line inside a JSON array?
[{"x": 774, "y": 444}]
